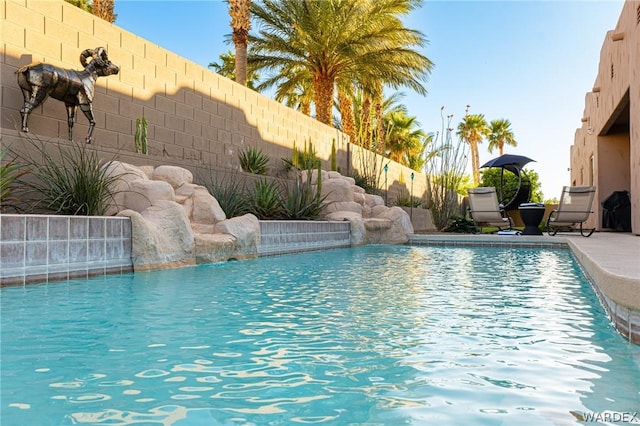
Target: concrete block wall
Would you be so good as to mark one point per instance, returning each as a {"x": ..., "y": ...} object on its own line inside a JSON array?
[{"x": 196, "y": 118}]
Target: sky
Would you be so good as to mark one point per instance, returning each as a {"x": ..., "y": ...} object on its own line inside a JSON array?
[{"x": 531, "y": 62}]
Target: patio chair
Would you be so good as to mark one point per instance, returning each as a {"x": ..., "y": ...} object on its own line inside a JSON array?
[
  {"x": 574, "y": 208},
  {"x": 485, "y": 210}
]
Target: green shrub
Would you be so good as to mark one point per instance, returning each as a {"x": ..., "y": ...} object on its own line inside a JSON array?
[
  {"x": 266, "y": 200},
  {"x": 460, "y": 225},
  {"x": 253, "y": 160},
  {"x": 404, "y": 199},
  {"x": 302, "y": 160},
  {"x": 74, "y": 184},
  {"x": 10, "y": 172},
  {"x": 368, "y": 183},
  {"x": 302, "y": 200},
  {"x": 232, "y": 196}
]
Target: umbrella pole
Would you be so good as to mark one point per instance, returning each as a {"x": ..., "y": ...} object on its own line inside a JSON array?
[{"x": 501, "y": 185}]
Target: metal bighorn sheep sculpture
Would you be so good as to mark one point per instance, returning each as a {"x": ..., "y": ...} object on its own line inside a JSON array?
[{"x": 74, "y": 88}]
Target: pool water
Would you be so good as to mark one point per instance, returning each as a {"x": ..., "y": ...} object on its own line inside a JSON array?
[{"x": 376, "y": 335}]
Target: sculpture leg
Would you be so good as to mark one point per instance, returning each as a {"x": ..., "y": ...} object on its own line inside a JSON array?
[
  {"x": 71, "y": 117},
  {"x": 30, "y": 103},
  {"x": 88, "y": 112}
]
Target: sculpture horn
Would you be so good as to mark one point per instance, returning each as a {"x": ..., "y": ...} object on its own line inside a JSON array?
[{"x": 87, "y": 53}]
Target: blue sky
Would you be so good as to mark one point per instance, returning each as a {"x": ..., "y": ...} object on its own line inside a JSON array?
[{"x": 530, "y": 62}]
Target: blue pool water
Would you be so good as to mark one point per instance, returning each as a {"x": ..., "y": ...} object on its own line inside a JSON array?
[{"x": 378, "y": 335}]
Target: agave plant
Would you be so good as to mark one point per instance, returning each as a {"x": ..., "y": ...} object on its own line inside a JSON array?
[
  {"x": 253, "y": 160},
  {"x": 267, "y": 201}
]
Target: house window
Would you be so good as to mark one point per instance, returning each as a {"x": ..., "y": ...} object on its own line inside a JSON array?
[
  {"x": 612, "y": 71},
  {"x": 592, "y": 170}
]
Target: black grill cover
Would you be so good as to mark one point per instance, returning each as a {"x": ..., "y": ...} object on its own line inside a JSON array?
[{"x": 617, "y": 211}]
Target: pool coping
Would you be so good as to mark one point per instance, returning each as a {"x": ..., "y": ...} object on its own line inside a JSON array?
[{"x": 611, "y": 262}]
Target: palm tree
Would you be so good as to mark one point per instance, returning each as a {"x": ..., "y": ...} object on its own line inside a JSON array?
[
  {"x": 500, "y": 135},
  {"x": 332, "y": 42},
  {"x": 82, "y": 4},
  {"x": 104, "y": 9},
  {"x": 405, "y": 142},
  {"x": 473, "y": 129},
  {"x": 227, "y": 68},
  {"x": 240, "y": 24}
]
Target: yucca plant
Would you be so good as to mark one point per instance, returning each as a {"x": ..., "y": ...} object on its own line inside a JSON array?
[
  {"x": 10, "y": 172},
  {"x": 266, "y": 200},
  {"x": 75, "y": 183},
  {"x": 253, "y": 160}
]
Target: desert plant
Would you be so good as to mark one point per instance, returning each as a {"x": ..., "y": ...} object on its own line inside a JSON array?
[
  {"x": 367, "y": 182},
  {"x": 266, "y": 201},
  {"x": 302, "y": 160},
  {"x": 253, "y": 160},
  {"x": 232, "y": 195},
  {"x": 404, "y": 199},
  {"x": 140, "y": 138},
  {"x": 460, "y": 225},
  {"x": 76, "y": 182},
  {"x": 10, "y": 172},
  {"x": 302, "y": 200},
  {"x": 444, "y": 167}
]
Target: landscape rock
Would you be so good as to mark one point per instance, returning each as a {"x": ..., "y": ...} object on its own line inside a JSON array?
[
  {"x": 337, "y": 190},
  {"x": 246, "y": 230},
  {"x": 210, "y": 248},
  {"x": 358, "y": 231},
  {"x": 176, "y": 176},
  {"x": 161, "y": 236}
]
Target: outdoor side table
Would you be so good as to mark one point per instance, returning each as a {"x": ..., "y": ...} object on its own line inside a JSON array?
[{"x": 531, "y": 214}]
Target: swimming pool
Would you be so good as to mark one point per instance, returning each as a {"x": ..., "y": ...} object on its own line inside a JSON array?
[{"x": 376, "y": 335}]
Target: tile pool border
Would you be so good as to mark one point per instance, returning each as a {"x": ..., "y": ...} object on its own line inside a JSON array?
[
  {"x": 624, "y": 317},
  {"x": 44, "y": 248}
]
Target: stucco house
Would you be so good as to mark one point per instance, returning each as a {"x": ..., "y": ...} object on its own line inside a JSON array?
[{"x": 606, "y": 149}]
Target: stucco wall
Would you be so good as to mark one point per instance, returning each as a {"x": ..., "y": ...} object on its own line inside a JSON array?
[
  {"x": 197, "y": 119},
  {"x": 611, "y": 160}
]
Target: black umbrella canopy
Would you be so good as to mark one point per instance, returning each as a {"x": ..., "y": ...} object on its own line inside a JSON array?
[
  {"x": 514, "y": 164},
  {"x": 511, "y": 162}
]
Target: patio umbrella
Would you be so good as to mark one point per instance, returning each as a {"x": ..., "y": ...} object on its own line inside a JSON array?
[
  {"x": 511, "y": 162},
  {"x": 515, "y": 164}
]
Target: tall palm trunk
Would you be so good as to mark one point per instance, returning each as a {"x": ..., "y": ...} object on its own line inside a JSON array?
[
  {"x": 323, "y": 89},
  {"x": 379, "y": 119},
  {"x": 475, "y": 160},
  {"x": 305, "y": 108},
  {"x": 240, "y": 23},
  {"x": 346, "y": 113},
  {"x": 365, "y": 123}
]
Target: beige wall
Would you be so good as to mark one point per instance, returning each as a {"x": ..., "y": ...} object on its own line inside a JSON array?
[
  {"x": 197, "y": 119},
  {"x": 599, "y": 156}
]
